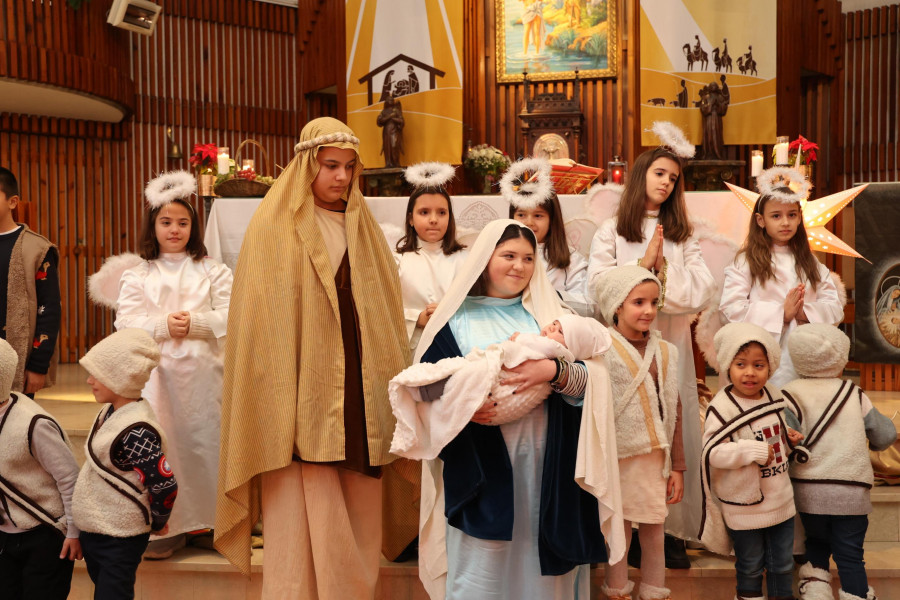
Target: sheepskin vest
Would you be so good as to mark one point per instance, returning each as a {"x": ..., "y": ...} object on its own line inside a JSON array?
[
  {"x": 28, "y": 492},
  {"x": 644, "y": 420},
  {"x": 108, "y": 500},
  {"x": 830, "y": 413},
  {"x": 739, "y": 486},
  {"x": 21, "y": 309}
]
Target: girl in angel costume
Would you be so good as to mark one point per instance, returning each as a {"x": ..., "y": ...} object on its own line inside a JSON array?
[
  {"x": 502, "y": 514},
  {"x": 180, "y": 296},
  {"x": 651, "y": 229},
  {"x": 527, "y": 187},
  {"x": 428, "y": 255},
  {"x": 775, "y": 280}
]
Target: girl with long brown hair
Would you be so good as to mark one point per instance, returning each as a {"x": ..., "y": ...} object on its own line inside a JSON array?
[
  {"x": 775, "y": 281},
  {"x": 533, "y": 202},
  {"x": 651, "y": 229},
  {"x": 428, "y": 255}
]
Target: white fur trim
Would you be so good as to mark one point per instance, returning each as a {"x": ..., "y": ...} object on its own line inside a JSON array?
[
  {"x": 776, "y": 177},
  {"x": 526, "y": 183},
  {"x": 170, "y": 186},
  {"x": 625, "y": 591},
  {"x": 429, "y": 174},
  {"x": 651, "y": 592},
  {"x": 672, "y": 137},
  {"x": 815, "y": 583},
  {"x": 103, "y": 286},
  {"x": 324, "y": 140},
  {"x": 847, "y": 596}
]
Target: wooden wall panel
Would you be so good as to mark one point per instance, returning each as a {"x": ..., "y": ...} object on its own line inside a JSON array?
[
  {"x": 869, "y": 110},
  {"x": 215, "y": 71}
]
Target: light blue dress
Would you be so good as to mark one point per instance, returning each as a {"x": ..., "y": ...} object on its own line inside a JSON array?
[{"x": 501, "y": 570}]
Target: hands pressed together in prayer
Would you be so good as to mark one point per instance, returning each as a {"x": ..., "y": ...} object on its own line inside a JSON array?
[
  {"x": 653, "y": 258},
  {"x": 793, "y": 305},
  {"x": 179, "y": 323}
]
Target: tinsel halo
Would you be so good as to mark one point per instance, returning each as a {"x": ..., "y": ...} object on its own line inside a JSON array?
[
  {"x": 429, "y": 174},
  {"x": 170, "y": 186},
  {"x": 672, "y": 137},
  {"x": 526, "y": 183},
  {"x": 770, "y": 180}
]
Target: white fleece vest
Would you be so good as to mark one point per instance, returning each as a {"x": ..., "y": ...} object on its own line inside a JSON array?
[
  {"x": 29, "y": 493},
  {"x": 840, "y": 454},
  {"x": 644, "y": 421},
  {"x": 108, "y": 500}
]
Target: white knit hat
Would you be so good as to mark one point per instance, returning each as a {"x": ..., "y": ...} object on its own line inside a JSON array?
[
  {"x": 123, "y": 361},
  {"x": 819, "y": 350},
  {"x": 614, "y": 286},
  {"x": 9, "y": 362},
  {"x": 731, "y": 337}
]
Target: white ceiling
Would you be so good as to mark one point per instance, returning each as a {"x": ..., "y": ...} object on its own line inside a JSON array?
[{"x": 27, "y": 98}]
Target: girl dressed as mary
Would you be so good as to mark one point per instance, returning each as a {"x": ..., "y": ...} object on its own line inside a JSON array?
[{"x": 517, "y": 523}]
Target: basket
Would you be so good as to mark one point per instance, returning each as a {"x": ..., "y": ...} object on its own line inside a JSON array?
[{"x": 242, "y": 188}]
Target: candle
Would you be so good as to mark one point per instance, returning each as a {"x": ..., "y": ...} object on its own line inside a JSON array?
[
  {"x": 617, "y": 176},
  {"x": 247, "y": 163},
  {"x": 223, "y": 162},
  {"x": 616, "y": 169},
  {"x": 781, "y": 150},
  {"x": 756, "y": 163}
]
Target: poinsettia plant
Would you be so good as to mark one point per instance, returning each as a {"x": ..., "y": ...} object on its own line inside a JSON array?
[
  {"x": 204, "y": 156},
  {"x": 806, "y": 149}
]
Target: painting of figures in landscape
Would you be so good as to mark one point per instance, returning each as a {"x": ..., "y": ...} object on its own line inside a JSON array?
[
  {"x": 693, "y": 52},
  {"x": 550, "y": 39}
]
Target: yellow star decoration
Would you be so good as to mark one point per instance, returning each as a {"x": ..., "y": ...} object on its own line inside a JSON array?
[{"x": 816, "y": 215}]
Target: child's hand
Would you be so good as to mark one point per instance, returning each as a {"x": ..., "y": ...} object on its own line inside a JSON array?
[
  {"x": 425, "y": 315},
  {"x": 794, "y": 436},
  {"x": 675, "y": 487},
  {"x": 484, "y": 414},
  {"x": 34, "y": 381},
  {"x": 71, "y": 549},
  {"x": 771, "y": 456},
  {"x": 178, "y": 325},
  {"x": 515, "y": 336},
  {"x": 793, "y": 303},
  {"x": 653, "y": 256}
]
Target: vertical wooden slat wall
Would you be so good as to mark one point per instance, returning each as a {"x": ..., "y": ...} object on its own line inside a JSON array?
[
  {"x": 215, "y": 71},
  {"x": 869, "y": 93}
]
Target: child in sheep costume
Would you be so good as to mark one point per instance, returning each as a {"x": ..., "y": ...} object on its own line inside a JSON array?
[
  {"x": 747, "y": 496},
  {"x": 832, "y": 474},
  {"x": 426, "y": 423}
]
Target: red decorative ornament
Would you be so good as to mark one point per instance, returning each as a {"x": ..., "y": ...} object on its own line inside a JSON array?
[
  {"x": 806, "y": 148},
  {"x": 204, "y": 156}
]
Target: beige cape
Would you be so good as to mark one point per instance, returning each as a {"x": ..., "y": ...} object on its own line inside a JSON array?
[{"x": 284, "y": 369}]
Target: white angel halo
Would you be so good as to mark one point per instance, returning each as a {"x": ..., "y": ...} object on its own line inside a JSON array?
[
  {"x": 671, "y": 136},
  {"x": 526, "y": 183},
  {"x": 169, "y": 186},
  {"x": 770, "y": 180},
  {"x": 429, "y": 174}
]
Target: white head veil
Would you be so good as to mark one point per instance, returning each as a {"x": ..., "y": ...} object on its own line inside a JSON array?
[
  {"x": 539, "y": 298},
  {"x": 597, "y": 469}
]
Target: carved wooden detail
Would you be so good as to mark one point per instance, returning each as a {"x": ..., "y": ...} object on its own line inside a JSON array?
[{"x": 553, "y": 112}]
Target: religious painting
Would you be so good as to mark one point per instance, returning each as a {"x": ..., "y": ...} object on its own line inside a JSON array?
[
  {"x": 551, "y": 39},
  {"x": 404, "y": 80},
  {"x": 877, "y": 324},
  {"x": 694, "y": 51}
]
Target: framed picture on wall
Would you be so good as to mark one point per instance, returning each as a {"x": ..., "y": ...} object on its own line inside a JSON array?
[{"x": 550, "y": 39}]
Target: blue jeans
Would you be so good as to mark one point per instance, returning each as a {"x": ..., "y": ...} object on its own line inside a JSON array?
[
  {"x": 770, "y": 548},
  {"x": 840, "y": 536}
]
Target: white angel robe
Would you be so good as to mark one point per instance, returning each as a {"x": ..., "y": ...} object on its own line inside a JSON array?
[
  {"x": 763, "y": 305},
  {"x": 571, "y": 282},
  {"x": 185, "y": 390},
  {"x": 689, "y": 286},
  {"x": 425, "y": 276}
]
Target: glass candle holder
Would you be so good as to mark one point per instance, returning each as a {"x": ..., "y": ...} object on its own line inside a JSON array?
[
  {"x": 616, "y": 170},
  {"x": 782, "y": 143},
  {"x": 756, "y": 163}
]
